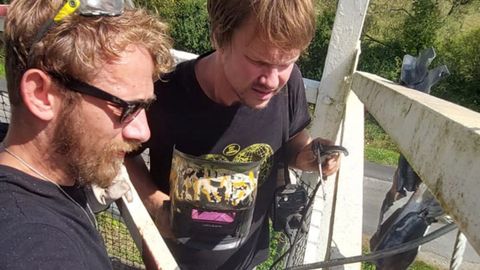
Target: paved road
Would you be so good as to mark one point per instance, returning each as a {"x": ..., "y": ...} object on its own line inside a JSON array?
[{"x": 438, "y": 252}]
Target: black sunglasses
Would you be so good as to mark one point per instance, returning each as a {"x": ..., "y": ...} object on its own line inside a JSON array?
[{"x": 130, "y": 109}]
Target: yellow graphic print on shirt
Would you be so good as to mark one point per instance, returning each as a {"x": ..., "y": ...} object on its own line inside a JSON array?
[{"x": 255, "y": 152}]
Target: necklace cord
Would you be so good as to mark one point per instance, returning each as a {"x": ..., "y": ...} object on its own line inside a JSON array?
[{"x": 91, "y": 216}]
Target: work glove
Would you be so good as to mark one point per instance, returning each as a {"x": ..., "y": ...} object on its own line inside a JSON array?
[{"x": 100, "y": 198}]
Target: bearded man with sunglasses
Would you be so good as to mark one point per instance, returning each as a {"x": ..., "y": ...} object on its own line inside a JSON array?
[{"x": 80, "y": 75}]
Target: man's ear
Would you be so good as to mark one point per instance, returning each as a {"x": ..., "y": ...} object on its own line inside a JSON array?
[{"x": 38, "y": 94}]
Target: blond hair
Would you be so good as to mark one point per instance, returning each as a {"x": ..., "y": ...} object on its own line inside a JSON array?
[
  {"x": 79, "y": 45},
  {"x": 286, "y": 24}
]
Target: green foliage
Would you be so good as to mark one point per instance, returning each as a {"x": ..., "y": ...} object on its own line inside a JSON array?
[
  {"x": 427, "y": 23},
  {"x": 277, "y": 240},
  {"x": 421, "y": 26},
  {"x": 382, "y": 50},
  {"x": 418, "y": 30},
  {"x": 379, "y": 147},
  {"x": 396, "y": 28},
  {"x": 313, "y": 59},
  {"x": 385, "y": 61},
  {"x": 188, "y": 20},
  {"x": 190, "y": 29},
  {"x": 462, "y": 56}
]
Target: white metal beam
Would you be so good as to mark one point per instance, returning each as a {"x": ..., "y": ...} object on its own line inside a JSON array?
[{"x": 441, "y": 141}]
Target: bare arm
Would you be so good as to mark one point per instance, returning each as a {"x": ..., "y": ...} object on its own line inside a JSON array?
[
  {"x": 147, "y": 190},
  {"x": 139, "y": 175}
]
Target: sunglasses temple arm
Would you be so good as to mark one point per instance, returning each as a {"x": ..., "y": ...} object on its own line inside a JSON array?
[{"x": 40, "y": 34}]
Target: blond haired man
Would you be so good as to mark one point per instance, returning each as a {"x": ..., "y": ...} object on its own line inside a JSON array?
[
  {"x": 80, "y": 75},
  {"x": 239, "y": 103}
]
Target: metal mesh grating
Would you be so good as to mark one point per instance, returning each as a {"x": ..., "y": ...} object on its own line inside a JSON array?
[
  {"x": 297, "y": 253},
  {"x": 120, "y": 246},
  {"x": 5, "y": 107}
]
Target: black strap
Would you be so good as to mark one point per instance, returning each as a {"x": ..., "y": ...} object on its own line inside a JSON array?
[{"x": 285, "y": 137}]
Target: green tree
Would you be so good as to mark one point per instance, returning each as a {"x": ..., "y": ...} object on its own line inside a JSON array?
[
  {"x": 393, "y": 29},
  {"x": 421, "y": 26},
  {"x": 412, "y": 29},
  {"x": 462, "y": 56},
  {"x": 312, "y": 60},
  {"x": 188, "y": 20}
]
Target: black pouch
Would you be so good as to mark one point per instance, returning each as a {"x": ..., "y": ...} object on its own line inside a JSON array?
[{"x": 289, "y": 203}]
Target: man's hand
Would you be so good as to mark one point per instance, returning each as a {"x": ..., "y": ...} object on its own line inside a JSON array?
[
  {"x": 100, "y": 198},
  {"x": 162, "y": 220},
  {"x": 154, "y": 200},
  {"x": 328, "y": 156},
  {"x": 307, "y": 159}
]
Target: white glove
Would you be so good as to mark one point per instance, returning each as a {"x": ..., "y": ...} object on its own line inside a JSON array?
[{"x": 100, "y": 198}]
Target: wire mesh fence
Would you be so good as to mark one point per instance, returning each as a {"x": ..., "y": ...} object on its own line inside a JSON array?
[
  {"x": 119, "y": 244},
  {"x": 5, "y": 107}
]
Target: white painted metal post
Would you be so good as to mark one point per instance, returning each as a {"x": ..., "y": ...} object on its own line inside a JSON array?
[
  {"x": 329, "y": 112},
  {"x": 347, "y": 29}
]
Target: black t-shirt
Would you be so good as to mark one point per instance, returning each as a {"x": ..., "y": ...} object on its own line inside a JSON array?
[
  {"x": 40, "y": 228},
  {"x": 184, "y": 117}
]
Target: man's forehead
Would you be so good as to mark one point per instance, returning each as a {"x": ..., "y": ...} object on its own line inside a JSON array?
[
  {"x": 130, "y": 76},
  {"x": 267, "y": 52}
]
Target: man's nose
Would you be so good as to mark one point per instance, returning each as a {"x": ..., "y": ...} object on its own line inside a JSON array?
[
  {"x": 270, "y": 78},
  {"x": 137, "y": 129}
]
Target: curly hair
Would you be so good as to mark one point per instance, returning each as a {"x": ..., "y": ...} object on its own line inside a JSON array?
[{"x": 78, "y": 45}]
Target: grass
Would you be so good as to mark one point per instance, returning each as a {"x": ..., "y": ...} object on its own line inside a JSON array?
[
  {"x": 381, "y": 156},
  {"x": 276, "y": 240},
  {"x": 379, "y": 147},
  {"x": 118, "y": 241},
  {"x": 416, "y": 265}
]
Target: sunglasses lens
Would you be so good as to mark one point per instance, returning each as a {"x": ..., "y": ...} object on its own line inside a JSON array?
[{"x": 130, "y": 112}]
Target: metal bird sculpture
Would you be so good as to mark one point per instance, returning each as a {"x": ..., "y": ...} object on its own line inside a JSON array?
[{"x": 413, "y": 219}]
